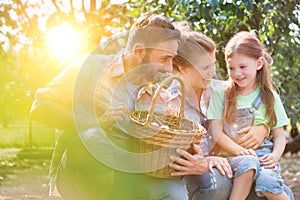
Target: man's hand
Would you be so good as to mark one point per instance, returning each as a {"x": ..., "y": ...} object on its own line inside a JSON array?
[
  {"x": 189, "y": 164},
  {"x": 221, "y": 164},
  {"x": 254, "y": 136},
  {"x": 112, "y": 115}
]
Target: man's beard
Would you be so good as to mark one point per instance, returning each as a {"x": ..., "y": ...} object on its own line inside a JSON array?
[{"x": 148, "y": 69}]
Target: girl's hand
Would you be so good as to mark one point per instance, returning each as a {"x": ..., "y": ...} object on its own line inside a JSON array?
[
  {"x": 269, "y": 161},
  {"x": 247, "y": 152}
]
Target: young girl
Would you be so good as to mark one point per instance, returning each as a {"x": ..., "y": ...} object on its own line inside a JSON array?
[{"x": 249, "y": 100}]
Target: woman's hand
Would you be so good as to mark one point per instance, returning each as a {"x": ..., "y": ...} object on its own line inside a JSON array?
[
  {"x": 189, "y": 164},
  {"x": 254, "y": 136},
  {"x": 221, "y": 164}
]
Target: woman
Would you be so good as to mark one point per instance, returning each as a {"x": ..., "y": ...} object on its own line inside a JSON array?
[{"x": 196, "y": 63}]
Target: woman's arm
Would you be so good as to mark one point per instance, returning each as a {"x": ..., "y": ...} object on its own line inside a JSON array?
[{"x": 222, "y": 139}]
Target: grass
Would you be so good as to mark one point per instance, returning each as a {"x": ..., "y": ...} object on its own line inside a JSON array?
[
  {"x": 25, "y": 160},
  {"x": 19, "y": 135},
  {"x": 24, "y": 173}
]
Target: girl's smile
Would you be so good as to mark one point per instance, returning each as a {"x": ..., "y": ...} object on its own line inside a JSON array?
[{"x": 242, "y": 70}]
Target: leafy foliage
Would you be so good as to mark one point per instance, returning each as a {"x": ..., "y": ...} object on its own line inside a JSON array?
[{"x": 277, "y": 23}]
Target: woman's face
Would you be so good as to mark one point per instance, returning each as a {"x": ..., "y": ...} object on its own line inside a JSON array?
[
  {"x": 207, "y": 66},
  {"x": 201, "y": 75}
]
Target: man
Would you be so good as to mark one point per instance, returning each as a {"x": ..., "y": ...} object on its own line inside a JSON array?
[
  {"x": 148, "y": 54},
  {"x": 84, "y": 172}
]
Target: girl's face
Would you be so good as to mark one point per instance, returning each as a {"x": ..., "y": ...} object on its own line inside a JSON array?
[{"x": 242, "y": 70}]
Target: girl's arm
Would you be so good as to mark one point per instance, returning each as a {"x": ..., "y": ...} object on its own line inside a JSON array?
[
  {"x": 222, "y": 139},
  {"x": 270, "y": 160},
  {"x": 279, "y": 142}
]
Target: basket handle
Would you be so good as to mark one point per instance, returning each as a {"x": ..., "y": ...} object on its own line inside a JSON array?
[{"x": 156, "y": 95}]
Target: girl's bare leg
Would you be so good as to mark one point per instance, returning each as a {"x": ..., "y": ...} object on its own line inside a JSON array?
[{"x": 242, "y": 186}]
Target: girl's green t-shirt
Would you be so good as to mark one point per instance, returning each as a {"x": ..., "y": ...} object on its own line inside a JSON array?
[{"x": 216, "y": 107}]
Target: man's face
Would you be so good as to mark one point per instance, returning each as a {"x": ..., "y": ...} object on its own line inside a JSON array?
[{"x": 160, "y": 59}]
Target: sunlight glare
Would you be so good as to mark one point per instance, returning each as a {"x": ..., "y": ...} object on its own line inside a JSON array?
[{"x": 63, "y": 41}]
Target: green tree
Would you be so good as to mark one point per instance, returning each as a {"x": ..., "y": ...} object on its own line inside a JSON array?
[{"x": 277, "y": 23}]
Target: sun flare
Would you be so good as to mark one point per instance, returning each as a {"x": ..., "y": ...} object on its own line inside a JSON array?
[{"x": 63, "y": 40}]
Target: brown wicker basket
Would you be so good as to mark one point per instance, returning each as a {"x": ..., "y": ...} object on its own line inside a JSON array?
[{"x": 159, "y": 135}]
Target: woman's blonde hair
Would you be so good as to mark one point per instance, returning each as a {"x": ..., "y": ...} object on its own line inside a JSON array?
[
  {"x": 191, "y": 44},
  {"x": 248, "y": 44}
]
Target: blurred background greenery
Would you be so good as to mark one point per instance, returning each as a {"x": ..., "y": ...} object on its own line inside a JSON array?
[{"x": 39, "y": 38}]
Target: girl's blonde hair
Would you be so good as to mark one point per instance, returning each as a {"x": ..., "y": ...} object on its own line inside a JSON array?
[{"x": 248, "y": 44}]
